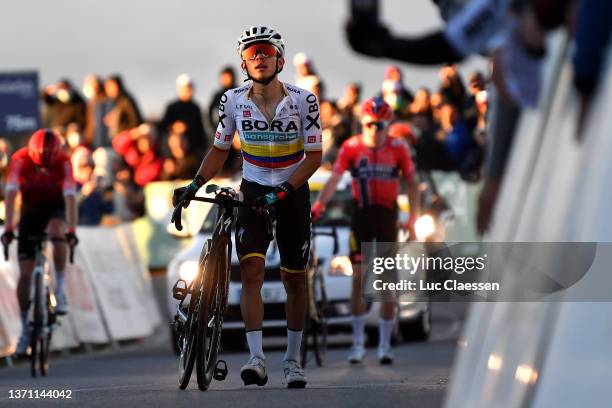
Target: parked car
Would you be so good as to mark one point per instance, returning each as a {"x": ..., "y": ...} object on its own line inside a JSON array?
[{"x": 414, "y": 317}]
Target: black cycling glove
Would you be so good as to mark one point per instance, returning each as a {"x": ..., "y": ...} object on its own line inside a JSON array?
[
  {"x": 279, "y": 193},
  {"x": 187, "y": 193}
]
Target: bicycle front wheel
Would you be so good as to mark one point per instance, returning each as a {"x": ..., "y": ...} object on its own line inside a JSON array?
[
  {"x": 187, "y": 338},
  {"x": 212, "y": 307},
  {"x": 45, "y": 338}
]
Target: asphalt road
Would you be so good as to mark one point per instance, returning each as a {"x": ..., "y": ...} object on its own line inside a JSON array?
[{"x": 145, "y": 374}]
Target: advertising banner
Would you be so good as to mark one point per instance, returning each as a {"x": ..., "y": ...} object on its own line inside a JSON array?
[
  {"x": 19, "y": 102},
  {"x": 123, "y": 304}
]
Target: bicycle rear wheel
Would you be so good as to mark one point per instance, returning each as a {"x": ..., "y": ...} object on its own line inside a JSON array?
[
  {"x": 321, "y": 328},
  {"x": 37, "y": 327},
  {"x": 212, "y": 307}
]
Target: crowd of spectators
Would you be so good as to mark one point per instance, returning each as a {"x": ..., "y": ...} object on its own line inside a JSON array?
[
  {"x": 445, "y": 126},
  {"x": 115, "y": 152}
]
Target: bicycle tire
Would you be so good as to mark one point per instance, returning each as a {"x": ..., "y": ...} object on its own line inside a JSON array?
[
  {"x": 36, "y": 326},
  {"x": 321, "y": 326},
  {"x": 45, "y": 339},
  {"x": 213, "y": 304},
  {"x": 187, "y": 354}
]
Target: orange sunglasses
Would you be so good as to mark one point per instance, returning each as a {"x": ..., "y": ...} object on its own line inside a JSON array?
[{"x": 265, "y": 50}]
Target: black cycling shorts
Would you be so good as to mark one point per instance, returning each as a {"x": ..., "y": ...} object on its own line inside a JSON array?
[
  {"x": 33, "y": 221},
  {"x": 372, "y": 223},
  {"x": 292, "y": 216}
]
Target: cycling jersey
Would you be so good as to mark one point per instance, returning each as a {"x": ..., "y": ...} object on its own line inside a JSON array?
[
  {"x": 40, "y": 185},
  {"x": 375, "y": 170},
  {"x": 271, "y": 150}
]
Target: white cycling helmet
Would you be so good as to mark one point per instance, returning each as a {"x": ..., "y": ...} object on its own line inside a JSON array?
[{"x": 258, "y": 34}]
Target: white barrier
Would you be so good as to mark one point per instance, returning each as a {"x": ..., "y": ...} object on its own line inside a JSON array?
[
  {"x": 10, "y": 320},
  {"x": 124, "y": 296},
  {"x": 84, "y": 310},
  {"x": 555, "y": 189}
]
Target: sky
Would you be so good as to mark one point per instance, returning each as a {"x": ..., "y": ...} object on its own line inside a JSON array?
[{"x": 151, "y": 42}]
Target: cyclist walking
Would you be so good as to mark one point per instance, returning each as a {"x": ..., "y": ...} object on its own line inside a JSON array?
[
  {"x": 280, "y": 134},
  {"x": 42, "y": 172},
  {"x": 375, "y": 160}
]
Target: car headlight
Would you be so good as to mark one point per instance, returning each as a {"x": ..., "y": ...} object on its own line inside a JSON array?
[
  {"x": 341, "y": 266},
  {"x": 188, "y": 270},
  {"x": 158, "y": 207},
  {"x": 424, "y": 227}
]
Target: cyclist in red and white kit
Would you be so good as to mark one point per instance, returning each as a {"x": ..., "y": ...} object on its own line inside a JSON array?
[
  {"x": 42, "y": 173},
  {"x": 376, "y": 161}
]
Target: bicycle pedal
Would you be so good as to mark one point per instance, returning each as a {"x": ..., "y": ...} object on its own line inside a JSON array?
[
  {"x": 179, "y": 290},
  {"x": 220, "y": 370},
  {"x": 177, "y": 324}
]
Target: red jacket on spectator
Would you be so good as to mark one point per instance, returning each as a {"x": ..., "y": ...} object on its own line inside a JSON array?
[{"x": 147, "y": 164}]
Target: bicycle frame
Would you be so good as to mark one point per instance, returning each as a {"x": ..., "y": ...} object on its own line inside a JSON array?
[{"x": 41, "y": 268}]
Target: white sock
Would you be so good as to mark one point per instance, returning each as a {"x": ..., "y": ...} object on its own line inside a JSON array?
[
  {"x": 60, "y": 282},
  {"x": 294, "y": 342},
  {"x": 385, "y": 327},
  {"x": 359, "y": 330},
  {"x": 254, "y": 340}
]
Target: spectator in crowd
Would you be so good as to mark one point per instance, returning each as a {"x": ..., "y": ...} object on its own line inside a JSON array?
[
  {"x": 421, "y": 104},
  {"x": 104, "y": 158},
  {"x": 314, "y": 84},
  {"x": 349, "y": 106},
  {"x": 98, "y": 106},
  {"x": 183, "y": 163},
  {"x": 305, "y": 72},
  {"x": 187, "y": 111},
  {"x": 227, "y": 80},
  {"x": 394, "y": 92},
  {"x": 128, "y": 197},
  {"x": 64, "y": 105},
  {"x": 477, "y": 83},
  {"x": 451, "y": 87},
  {"x": 138, "y": 148},
  {"x": 94, "y": 200},
  {"x": 336, "y": 129},
  {"x": 436, "y": 101},
  {"x": 125, "y": 113},
  {"x": 74, "y": 138},
  {"x": 455, "y": 134}
]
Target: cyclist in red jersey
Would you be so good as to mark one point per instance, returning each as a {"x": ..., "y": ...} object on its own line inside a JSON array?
[
  {"x": 376, "y": 161},
  {"x": 43, "y": 174}
]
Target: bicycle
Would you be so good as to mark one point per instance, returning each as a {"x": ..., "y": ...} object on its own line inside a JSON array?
[
  {"x": 317, "y": 305},
  {"x": 43, "y": 317},
  {"x": 199, "y": 321}
]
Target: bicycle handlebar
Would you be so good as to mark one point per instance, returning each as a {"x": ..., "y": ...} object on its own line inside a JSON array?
[
  {"x": 40, "y": 238},
  {"x": 223, "y": 202}
]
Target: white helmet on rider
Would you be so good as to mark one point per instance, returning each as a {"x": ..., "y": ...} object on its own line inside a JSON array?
[{"x": 259, "y": 34}]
